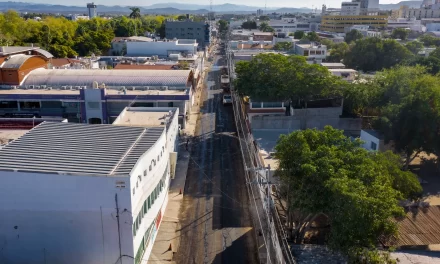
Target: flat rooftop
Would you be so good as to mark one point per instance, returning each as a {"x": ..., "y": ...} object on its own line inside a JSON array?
[
  {"x": 341, "y": 70},
  {"x": 79, "y": 149},
  {"x": 142, "y": 117},
  {"x": 109, "y": 91},
  {"x": 333, "y": 64}
]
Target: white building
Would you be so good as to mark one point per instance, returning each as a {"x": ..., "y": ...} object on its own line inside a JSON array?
[
  {"x": 348, "y": 75},
  {"x": 289, "y": 25},
  {"x": 314, "y": 53},
  {"x": 77, "y": 193},
  {"x": 163, "y": 48},
  {"x": 372, "y": 140},
  {"x": 409, "y": 23}
]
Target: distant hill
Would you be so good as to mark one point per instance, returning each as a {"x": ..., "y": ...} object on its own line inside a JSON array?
[
  {"x": 411, "y": 4},
  {"x": 162, "y": 8}
]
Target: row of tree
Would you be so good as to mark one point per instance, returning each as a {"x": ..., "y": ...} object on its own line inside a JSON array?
[{"x": 65, "y": 38}]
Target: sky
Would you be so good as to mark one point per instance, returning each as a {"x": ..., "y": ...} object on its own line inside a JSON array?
[{"x": 279, "y": 3}]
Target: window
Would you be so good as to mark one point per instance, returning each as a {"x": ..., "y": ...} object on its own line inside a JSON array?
[
  {"x": 134, "y": 190},
  {"x": 30, "y": 105},
  {"x": 158, "y": 157},
  {"x": 151, "y": 167},
  {"x": 145, "y": 173},
  {"x": 140, "y": 177},
  {"x": 256, "y": 105},
  {"x": 137, "y": 184},
  {"x": 373, "y": 146},
  {"x": 149, "y": 201},
  {"x": 272, "y": 104},
  {"x": 145, "y": 207}
]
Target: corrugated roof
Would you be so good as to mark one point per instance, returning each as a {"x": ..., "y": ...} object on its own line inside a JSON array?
[
  {"x": 144, "y": 67},
  {"x": 420, "y": 227},
  {"x": 15, "y": 61},
  {"x": 44, "y": 53},
  {"x": 57, "y": 77},
  {"x": 79, "y": 149}
]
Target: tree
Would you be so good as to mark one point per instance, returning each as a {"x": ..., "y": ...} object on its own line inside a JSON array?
[
  {"x": 400, "y": 33},
  {"x": 435, "y": 53},
  {"x": 353, "y": 35},
  {"x": 298, "y": 34},
  {"x": 362, "y": 189},
  {"x": 327, "y": 42},
  {"x": 283, "y": 46},
  {"x": 264, "y": 26},
  {"x": 414, "y": 46},
  {"x": 372, "y": 54},
  {"x": 432, "y": 64},
  {"x": 135, "y": 12},
  {"x": 409, "y": 110},
  {"x": 337, "y": 52},
  {"x": 429, "y": 40},
  {"x": 312, "y": 36},
  {"x": 223, "y": 25},
  {"x": 249, "y": 25},
  {"x": 181, "y": 17},
  {"x": 275, "y": 77}
]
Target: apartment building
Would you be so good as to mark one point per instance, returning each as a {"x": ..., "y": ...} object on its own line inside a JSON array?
[{"x": 189, "y": 29}]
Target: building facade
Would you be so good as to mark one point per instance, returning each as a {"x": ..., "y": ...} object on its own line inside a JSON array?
[
  {"x": 185, "y": 47},
  {"x": 338, "y": 23},
  {"x": 350, "y": 8},
  {"x": 96, "y": 96},
  {"x": 188, "y": 29},
  {"x": 103, "y": 202},
  {"x": 314, "y": 53}
]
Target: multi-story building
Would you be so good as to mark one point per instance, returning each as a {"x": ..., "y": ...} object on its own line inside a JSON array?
[
  {"x": 338, "y": 23},
  {"x": 260, "y": 12},
  {"x": 409, "y": 23},
  {"x": 78, "y": 193},
  {"x": 356, "y": 12},
  {"x": 426, "y": 10},
  {"x": 350, "y": 8},
  {"x": 91, "y": 7},
  {"x": 313, "y": 52},
  {"x": 290, "y": 25},
  {"x": 96, "y": 96},
  {"x": 189, "y": 29}
]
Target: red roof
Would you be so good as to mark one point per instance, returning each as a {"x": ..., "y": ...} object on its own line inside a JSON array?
[
  {"x": 63, "y": 61},
  {"x": 144, "y": 67}
]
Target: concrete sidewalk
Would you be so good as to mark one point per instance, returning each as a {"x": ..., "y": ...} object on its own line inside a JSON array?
[{"x": 168, "y": 237}]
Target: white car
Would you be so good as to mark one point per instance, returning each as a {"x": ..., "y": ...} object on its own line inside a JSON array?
[{"x": 227, "y": 99}]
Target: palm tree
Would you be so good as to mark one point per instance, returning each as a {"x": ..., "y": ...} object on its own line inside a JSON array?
[{"x": 135, "y": 12}]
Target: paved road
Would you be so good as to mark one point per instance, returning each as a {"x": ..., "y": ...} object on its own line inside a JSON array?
[{"x": 216, "y": 224}]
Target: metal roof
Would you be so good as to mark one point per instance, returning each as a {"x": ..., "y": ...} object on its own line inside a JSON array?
[
  {"x": 57, "y": 77},
  {"x": 419, "y": 227},
  {"x": 15, "y": 61},
  {"x": 45, "y": 53},
  {"x": 79, "y": 149}
]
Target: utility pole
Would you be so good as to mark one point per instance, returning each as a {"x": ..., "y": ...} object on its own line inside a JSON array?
[{"x": 119, "y": 228}]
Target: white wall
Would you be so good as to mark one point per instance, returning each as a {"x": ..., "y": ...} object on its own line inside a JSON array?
[
  {"x": 367, "y": 138},
  {"x": 93, "y": 101},
  {"x": 160, "y": 48},
  {"x": 59, "y": 220}
]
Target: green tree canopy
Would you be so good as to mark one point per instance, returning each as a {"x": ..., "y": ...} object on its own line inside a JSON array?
[
  {"x": 432, "y": 64},
  {"x": 372, "y": 54},
  {"x": 353, "y": 35},
  {"x": 283, "y": 46},
  {"x": 429, "y": 40},
  {"x": 312, "y": 36},
  {"x": 298, "y": 34},
  {"x": 400, "y": 33},
  {"x": 276, "y": 77},
  {"x": 249, "y": 25},
  {"x": 337, "y": 52},
  {"x": 181, "y": 17},
  {"x": 264, "y": 18},
  {"x": 362, "y": 189},
  {"x": 264, "y": 26},
  {"x": 135, "y": 12},
  {"x": 223, "y": 25},
  {"x": 414, "y": 46}
]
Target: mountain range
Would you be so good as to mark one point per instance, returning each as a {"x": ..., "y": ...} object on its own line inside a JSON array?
[{"x": 169, "y": 8}]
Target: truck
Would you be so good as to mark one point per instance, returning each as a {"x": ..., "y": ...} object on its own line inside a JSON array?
[{"x": 224, "y": 80}]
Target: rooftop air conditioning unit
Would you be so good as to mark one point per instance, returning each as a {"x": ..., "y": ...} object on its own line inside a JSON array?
[
  {"x": 146, "y": 88},
  {"x": 69, "y": 87},
  {"x": 77, "y": 87},
  {"x": 84, "y": 87},
  {"x": 43, "y": 86},
  {"x": 14, "y": 87},
  {"x": 49, "y": 88},
  {"x": 37, "y": 87},
  {"x": 163, "y": 88},
  {"x": 133, "y": 88}
]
